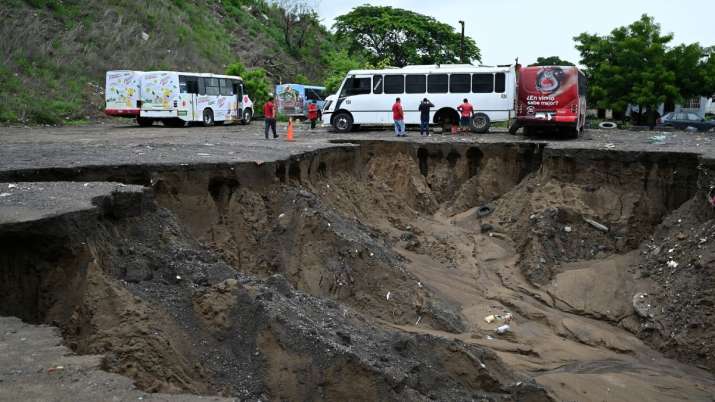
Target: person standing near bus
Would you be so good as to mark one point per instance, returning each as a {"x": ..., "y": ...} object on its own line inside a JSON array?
[
  {"x": 398, "y": 115},
  {"x": 269, "y": 113},
  {"x": 312, "y": 113},
  {"x": 466, "y": 109},
  {"x": 424, "y": 108}
]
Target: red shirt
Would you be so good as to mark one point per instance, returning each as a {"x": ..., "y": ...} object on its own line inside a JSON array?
[
  {"x": 268, "y": 112},
  {"x": 312, "y": 111},
  {"x": 397, "y": 113},
  {"x": 466, "y": 109}
]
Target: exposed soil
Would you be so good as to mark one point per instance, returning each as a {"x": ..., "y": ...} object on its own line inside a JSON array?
[{"x": 366, "y": 273}]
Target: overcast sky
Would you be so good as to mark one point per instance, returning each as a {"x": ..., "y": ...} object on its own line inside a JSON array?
[{"x": 506, "y": 29}]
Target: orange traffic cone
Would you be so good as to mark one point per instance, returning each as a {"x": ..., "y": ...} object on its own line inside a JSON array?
[{"x": 289, "y": 136}]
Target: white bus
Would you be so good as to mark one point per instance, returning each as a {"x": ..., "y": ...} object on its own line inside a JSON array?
[
  {"x": 175, "y": 98},
  {"x": 366, "y": 96},
  {"x": 122, "y": 93}
]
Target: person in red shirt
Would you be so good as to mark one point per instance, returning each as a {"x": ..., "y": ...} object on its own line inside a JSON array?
[
  {"x": 312, "y": 114},
  {"x": 466, "y": 110},
  {"x": 398, "y": 115},
  {"x": 269, "y": 113}
]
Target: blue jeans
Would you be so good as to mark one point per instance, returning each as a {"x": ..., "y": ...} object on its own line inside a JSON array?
[
  {"x": 399, "y": 128},
  {"x": 424, "y": 127}
]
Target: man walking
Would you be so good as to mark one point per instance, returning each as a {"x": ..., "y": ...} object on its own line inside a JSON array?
[
  {"x": 269, "y": 113},
  {"x": 466, "y": 109},
  {"x": 312, "y": 113},
  {"x": 424, "y": 108},
  {"x": 398, "y": 115}
]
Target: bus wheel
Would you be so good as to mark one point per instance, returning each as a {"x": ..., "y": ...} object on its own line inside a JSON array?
[
  {"x": 343, "y": 122},
  {"x": 247, "y": 116},
  {"x": 144, "y": 122},
  {"x": 208, "y": 118},
  {"x": 572, "y": 132},
  {"x": 480, "y": 123},
  {"x": 514, "y": 127}
]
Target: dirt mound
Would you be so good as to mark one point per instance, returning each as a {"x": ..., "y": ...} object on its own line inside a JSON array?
[
  {"x": 583, "y": 209},
  {"x": 677, "y": 317}
]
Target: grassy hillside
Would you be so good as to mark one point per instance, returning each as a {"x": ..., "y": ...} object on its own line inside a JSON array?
[{"x": 54, "y": 53}]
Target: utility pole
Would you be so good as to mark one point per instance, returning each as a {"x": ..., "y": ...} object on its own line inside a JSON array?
[{"x": 461, "y": 43}]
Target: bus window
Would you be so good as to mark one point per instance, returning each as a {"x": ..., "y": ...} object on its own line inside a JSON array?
[
  {"x": 377, "y": 84},
  {"x": 437, "y": 83},
  {"x": 226, "y": 89},
  {"x": 313, "y": 94},
  {"x": 483, "y": 83},
  {"x": 237, "y": 88},
  {"x": 212, "y": 87},
  {"x": 499, "y": 83},
  {"x": 356, "y": 86},
  {"x": 459, "y": 83},
  {"x": 416, "y": 84},
  {"x": 188, "y": 84},
  {"x": 394, "y": 84}
]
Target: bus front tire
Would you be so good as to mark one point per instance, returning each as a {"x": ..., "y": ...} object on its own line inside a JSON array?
[
  {"x": 144, "y": 122},
  {"x": 208, "y": 118},
  {"x": 247, "y": 116},
  {"x": 514, "y": 127},
  {"x": 480, "y": 123},
  {"x": 343, "y": 122}
]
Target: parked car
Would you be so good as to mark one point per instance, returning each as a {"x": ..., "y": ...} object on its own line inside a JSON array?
[{"x": 683, "y": 120}]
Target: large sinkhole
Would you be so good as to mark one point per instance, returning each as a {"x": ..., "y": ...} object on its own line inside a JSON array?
[{"x": 379, "y": 274}]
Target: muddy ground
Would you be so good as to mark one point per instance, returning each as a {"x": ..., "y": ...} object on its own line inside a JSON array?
[{"x": 364, "y": 267}]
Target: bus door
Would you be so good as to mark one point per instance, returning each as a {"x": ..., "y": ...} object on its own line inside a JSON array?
[
  {"x": 238, "y": 91},
  {"x": 189, "y": 90}
]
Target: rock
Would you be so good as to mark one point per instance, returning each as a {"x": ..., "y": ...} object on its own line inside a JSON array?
[{"x": 641, "y": 305}]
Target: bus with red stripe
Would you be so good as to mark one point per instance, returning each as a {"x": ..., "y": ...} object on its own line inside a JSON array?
[{"x": 550, "y": 98}]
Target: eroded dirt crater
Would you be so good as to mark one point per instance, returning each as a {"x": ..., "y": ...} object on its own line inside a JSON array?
[{"x": 366, "y": 273}]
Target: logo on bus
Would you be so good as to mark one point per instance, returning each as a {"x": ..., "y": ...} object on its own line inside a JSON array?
[{"x": 548, "y": 80}]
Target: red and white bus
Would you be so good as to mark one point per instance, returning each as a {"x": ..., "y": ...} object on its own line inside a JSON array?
[{"x": 551, "y": 97}]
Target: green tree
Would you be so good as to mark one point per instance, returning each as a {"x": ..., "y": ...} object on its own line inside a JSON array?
[
  {"x": 551, "y": 61},
  {"x": 301, "y": 79},
  {"x": 255, "y": 81},
  {"x": 629, "y": 66},
  {"x": 689, "y": 64},
  {"x": 400, "y": 37}
]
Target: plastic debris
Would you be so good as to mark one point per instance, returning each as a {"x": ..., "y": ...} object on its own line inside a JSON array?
[
  {"x": 11, "y": 185},
  {"x": 610, "y": 145},
  {"x": 387, "y": 296},
  {"x": 489, "y": 337},
  {"x": 56, "y": 368},
  {"x": 567, "y": 229},
  {"x": 490, "y": 319},
  {"x": 203, "y": 154},
  {"x": 503, "y": 329},
  {"x": 598, "y": 226},
  {"x": 281, "y": 215},
  {"x": 178, "y": 277},
  {"x": 672, "y": 264},
  {"x": 657, "y": 139},
  {"x": 4, "y": 194},
  {"x": 418, "y": 320},
  {"x": 419, "y": 285}
]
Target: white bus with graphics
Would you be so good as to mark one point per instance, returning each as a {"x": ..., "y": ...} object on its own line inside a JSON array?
[
  {"x": 366, "y": 96},
  {"x": 177, "y": 98}
]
